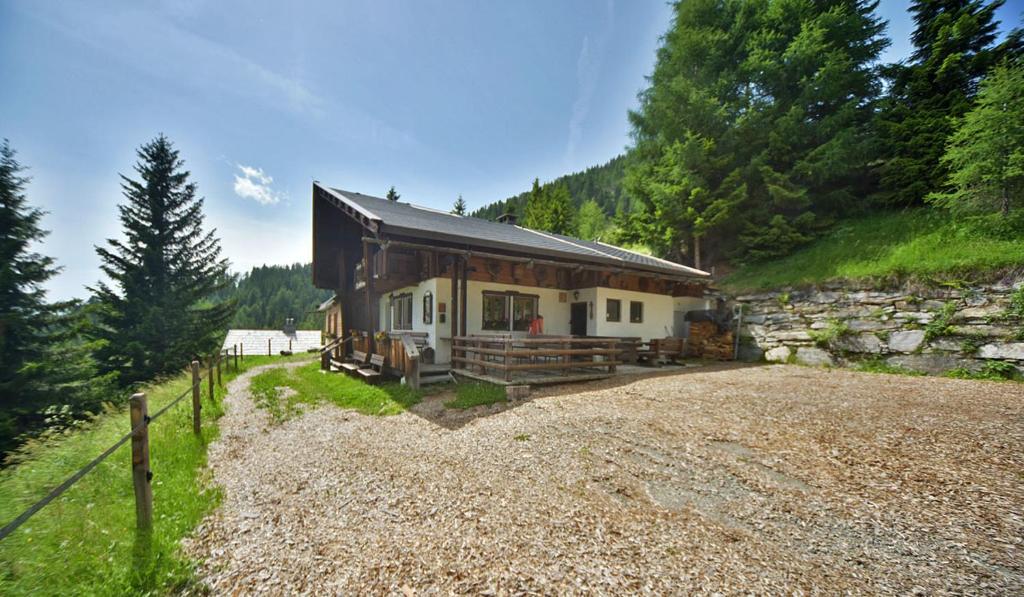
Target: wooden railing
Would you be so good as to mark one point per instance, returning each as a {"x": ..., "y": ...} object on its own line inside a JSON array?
[
  {"x": 332, "y": 350},
  {"x": 552, "y": 353}
]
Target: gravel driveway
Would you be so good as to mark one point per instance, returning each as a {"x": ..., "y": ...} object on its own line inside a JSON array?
[{"x": 730, "y": 478}]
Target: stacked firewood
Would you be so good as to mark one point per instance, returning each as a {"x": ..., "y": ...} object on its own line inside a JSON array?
[{"x": 707, "y": 342}]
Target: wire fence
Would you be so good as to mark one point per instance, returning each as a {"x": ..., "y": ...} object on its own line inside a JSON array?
[{"x": 139, "y": 435}]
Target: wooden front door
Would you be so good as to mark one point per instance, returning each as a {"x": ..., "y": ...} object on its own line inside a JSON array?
[{"x": 578, "y": 319}]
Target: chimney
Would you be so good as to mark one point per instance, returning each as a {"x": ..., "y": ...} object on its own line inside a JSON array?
[
  {"x": 508, "y": 218},
  {"x": 289, "y": 326}
]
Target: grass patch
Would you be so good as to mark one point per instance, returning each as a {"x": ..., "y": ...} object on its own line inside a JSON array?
[
  {"x": 991, "y": 371},
  {"x": 522, "y": 437},
  {"x": 835, "y": 330},
  {"x": 468, "y": 395},
  {"x": 310, "y": 387},
  {"x": 924, "y": 244},
  {"x": 82, "y": 543}
]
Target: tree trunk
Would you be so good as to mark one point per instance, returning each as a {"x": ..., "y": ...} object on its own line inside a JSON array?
[
  {"x": 696, "y": 252},
  {"x": 1005, "y": 207}
]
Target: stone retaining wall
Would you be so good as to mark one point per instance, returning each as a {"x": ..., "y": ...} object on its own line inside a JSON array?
[{"x": 929, "y": 331}]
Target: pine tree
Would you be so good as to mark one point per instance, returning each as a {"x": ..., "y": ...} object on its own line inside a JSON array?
[
  {"x": 754, "y": 130},
  {"x": 393, "y": 194},
  {"x": 460, "y": 207},
  {"x": 159, "y": 315},
  {"x": 562, "y": 214},
  {"x": 985, "y": 156},
  {"x": 25, "y": 316},
  {"x": 537, "y": 214},
  {"x": 592, "y": 222},
  {"x": 954, "y": 46}
]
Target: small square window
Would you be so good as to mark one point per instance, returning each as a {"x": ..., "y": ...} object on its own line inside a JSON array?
[
  {"x": 613, "y": 310},
  {"x": 636, "y": 312}
]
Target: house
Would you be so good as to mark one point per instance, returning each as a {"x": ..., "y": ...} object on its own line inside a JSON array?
[
  {"x": 457, "y": 287},
  {"x": 288, "y": 338}
]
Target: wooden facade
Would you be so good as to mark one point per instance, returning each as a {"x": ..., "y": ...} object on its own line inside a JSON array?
[{"x": 364, "y": 262}]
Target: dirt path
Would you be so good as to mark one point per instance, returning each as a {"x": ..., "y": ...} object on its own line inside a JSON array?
[{"x": 755, "y": 479}]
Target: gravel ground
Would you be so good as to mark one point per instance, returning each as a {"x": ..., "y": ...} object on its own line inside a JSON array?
[{"x": 726, "y": 479}]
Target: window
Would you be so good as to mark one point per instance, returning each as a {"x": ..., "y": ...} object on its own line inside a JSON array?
[
  {"x": 495, "y": 312},
  {"x": 636, "y": 312},
  {"x": 613, "y": 310},
  {"x": 428, "y": 308},
  {"x": 401, "y": 312},
  {"x": 524, "y": 310},
  {"x": 497, "y": 316}
]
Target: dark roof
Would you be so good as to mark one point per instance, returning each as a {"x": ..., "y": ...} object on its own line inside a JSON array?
[{"x": 424, "y": 222}]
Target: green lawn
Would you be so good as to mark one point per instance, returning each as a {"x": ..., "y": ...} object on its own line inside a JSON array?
[
  {"x": 924, "y": 244},
  {"x": 468, "y": 395},
  {"x": 311, "y": 386},
  {"x": 82, "y": 543}
]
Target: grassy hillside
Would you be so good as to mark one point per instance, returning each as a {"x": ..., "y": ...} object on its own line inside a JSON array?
[
  {"x": 924, "y": 244},
  {"x": 83, "y": 543}
]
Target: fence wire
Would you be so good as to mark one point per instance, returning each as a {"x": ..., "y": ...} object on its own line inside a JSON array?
[{"x": 60, "y": 489}]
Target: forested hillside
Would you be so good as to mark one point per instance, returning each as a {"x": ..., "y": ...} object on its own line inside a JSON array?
[
  {"x": 768, "y": 124},
  {"x": 602, "y": 184},
  {"x": 268, "y": 294}
]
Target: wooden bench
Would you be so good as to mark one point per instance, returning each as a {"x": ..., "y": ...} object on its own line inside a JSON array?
[
  {"x": 354, "y": 362},
  {"x": 669, "y": 349},
  {"x": 375, "y": 370}
]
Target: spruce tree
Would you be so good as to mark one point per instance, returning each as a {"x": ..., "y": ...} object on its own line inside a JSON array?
[
  {"x": 460, "y": 207},
  {"x": 158, "y": 314},
  {"x": 537, "y": 214},
  {"x": 985, "y": 156},
  {"x": 954, "y": 46},
  {"x": 393, "y": 194},
  {"x": 26, "y": 319},
  {"x": 754, "y": 133},
  {"x": 562, "y": 213}
]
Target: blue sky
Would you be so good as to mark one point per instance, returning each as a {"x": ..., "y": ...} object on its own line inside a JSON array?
[{"x": 435, "y": 97}]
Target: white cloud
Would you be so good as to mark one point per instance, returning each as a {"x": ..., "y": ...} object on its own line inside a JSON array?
[{"x": 255, "y": 184}]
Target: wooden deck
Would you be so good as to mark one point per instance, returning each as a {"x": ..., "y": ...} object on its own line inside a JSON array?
[{"x": 547, "y": 378}]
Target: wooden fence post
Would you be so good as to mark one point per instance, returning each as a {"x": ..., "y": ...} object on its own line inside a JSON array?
[
  {"x": 268, "y": 347},
  {"x": 220, "y": 380},
  {"x": 508, "y": 359},
  {"x": 209, "y": 376},
  {"x": 140, "y": 462},
  {"x": 289, "y": 344},
  {"x": 236, "y": 358},
  {"x": 196, "y": 404},
  {"x": 241, "y": 351}
]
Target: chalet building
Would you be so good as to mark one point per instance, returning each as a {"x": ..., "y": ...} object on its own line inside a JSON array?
[{"x": 455, "y": 285}]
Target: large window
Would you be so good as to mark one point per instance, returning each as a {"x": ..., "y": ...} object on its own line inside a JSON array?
[
  {"x": 613, "y": 310},
  {"x": 401, "y": 312},
  {"x": 504, "y": 312},
  {"x": 636, "y": 312},
  {"x": 524, "y": 310},
  {"x": 495, "y": 312}
]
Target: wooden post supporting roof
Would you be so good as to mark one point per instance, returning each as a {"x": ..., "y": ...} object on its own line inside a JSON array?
[
  {"x": 371, "y": 312},
  {"x": 463, "y": 297},
  {"x": 455, "y": 301}
]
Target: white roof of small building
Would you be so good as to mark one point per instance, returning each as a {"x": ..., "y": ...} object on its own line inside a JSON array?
[{"x": 255, "y": 341}]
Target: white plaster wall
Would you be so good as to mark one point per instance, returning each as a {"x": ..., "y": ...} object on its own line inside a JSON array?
[
  {"x": 658, "y": 318},
  {"x": 556, "y": 314},
  {"x": 657, "y": 311}
]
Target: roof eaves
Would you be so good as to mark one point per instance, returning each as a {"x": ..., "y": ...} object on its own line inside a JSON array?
[{"x": 340, "y": 196}]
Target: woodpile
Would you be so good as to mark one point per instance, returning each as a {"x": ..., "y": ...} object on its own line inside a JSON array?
[{"x": 707, "y": 342}]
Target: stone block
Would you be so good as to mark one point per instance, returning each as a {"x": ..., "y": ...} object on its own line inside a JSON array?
[
  {"x": 779, "y": 354},
  {"x": 809, "y": 355},
  {"x": 866, "y": 325},
  {"x": 1010, "y": 351},
  {"x": 932, "y": 364},
  {"x": 906, "y": 341},
  {"x": 859, "y": 343},
  {"x": 792, "y": 335}
]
